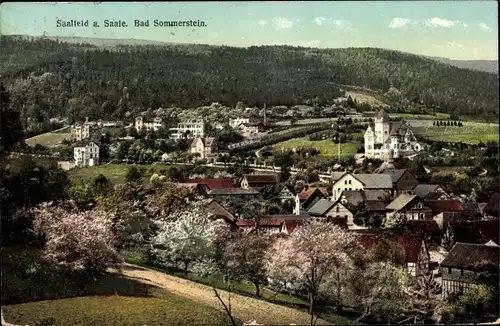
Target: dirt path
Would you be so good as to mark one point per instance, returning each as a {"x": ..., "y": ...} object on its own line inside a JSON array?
[{"x": 243, "y": 308}]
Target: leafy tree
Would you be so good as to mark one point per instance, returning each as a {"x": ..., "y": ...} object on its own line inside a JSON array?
[
  {"x": 388, "y": 251},
  {"x": 134, "y": 174},
  {"x": 11, "y": 129},
  {"x": 245, "y": 257},
  {"x": 384, "y": 298}
]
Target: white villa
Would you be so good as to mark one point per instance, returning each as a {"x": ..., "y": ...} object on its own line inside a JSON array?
[
  {"x": 154, "y": 124},
  {"x": 87, "y": 154},
  {"x": 189, "y": 129},
  {"x": 385, "y": 139}
]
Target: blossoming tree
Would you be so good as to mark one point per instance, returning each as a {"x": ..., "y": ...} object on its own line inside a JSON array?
[
  {"x": 311, "y": 255},
  {"x": 74, "y": 241},
  {"x": 187, "y": 236}
]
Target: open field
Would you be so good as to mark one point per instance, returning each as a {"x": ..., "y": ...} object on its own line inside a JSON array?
[
  {"x": 326, "y": 147},
  {"x": 50, "y": 139},
  {"x": 364, "y": 97},
  {"x": 113, "y": 172},
  {"x": 470, "y": 133},
  {"x": 32, "y": 292},
  {"x": 431, "y": 117}
]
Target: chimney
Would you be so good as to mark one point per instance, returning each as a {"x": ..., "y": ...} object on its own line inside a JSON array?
[{"x": 86, "y": 119}]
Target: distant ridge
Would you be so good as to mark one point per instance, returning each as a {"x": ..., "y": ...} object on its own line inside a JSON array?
[
  {"x": 490, "y": 66},
  {"x": 480, "y": 65}
]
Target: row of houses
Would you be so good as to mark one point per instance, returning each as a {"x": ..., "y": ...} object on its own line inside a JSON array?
[{"x": 425, "y": 232}]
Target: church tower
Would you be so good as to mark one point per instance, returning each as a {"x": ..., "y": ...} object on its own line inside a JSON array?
[{"x": 382, "y": 127}]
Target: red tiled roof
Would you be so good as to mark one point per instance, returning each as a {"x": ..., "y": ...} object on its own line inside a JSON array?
[
  {"x": 307, "y": 192},
  {"x": 410, "y": 242},
  {"x": 291, "y": 225},
  {"x": 220, "y": 211},
  {"x": 439, "y": 206},
  {"x": 262, "y": 178},
  {"x": 262, "y": 222},
  {"x": 213, "y": 183},
  {"x": 428, "y": 228}
]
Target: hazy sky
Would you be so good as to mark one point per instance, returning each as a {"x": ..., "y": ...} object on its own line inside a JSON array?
[{"x": 452, "y": 29}]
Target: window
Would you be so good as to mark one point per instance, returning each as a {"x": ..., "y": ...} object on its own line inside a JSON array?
[
  {"x": 338, "y": 216},
  {"x": 449, "y": 270},
  {"x": 345, "y": 182},
  {"x": 421, "y": 216},
  {"x": 350, "y": 181},
  {"x": 385, "y": 132},
  {"x": 338, "y": 209},
  {"x": 345, "y": 216}
]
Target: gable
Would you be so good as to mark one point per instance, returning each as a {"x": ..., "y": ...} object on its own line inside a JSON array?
[{"x": 341, "y": 207}]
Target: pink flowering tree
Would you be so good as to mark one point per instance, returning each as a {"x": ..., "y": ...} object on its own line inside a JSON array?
[
  {"x": 311, "y": 255},
  {"x": 186, "y": 236},
  {"x": 77, "y": 242}
]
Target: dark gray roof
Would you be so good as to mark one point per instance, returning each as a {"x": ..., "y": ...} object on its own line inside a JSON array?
[
  {"x": 354, "y": 197},
  {"x": 382, "y": 115},
  {"x": 400, "y": 202},
  {"x": 337, "y": 175},
  {"x": 321, "y": 207},
  {"x": 472, "y": 257},
  {"x": 396, "y": 127},
  {"x": 234, "y": 191},
  {"x": 375, "y": 181},
  {"x": 395, "y": 174},
  {"x": 375, "y": 194},
  {"x": 422, "y": 190}
]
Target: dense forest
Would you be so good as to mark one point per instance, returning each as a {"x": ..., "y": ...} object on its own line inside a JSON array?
[{"x": 48, "y": 78}]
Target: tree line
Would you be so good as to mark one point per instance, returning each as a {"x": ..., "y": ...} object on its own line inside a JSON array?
[{"x": 79, "y": 80}]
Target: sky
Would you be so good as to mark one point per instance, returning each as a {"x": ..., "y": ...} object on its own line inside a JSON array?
[{"x": 463, "y": 30}]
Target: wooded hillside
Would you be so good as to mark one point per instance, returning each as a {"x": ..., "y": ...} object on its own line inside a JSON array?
[{"x": 78, "y": 80}]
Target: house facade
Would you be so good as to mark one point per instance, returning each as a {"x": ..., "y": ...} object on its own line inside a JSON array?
[
  {"x": 387, "y": 139},
  {"x": 189, "y": 130},
  {"x": 350, "y": 182},
  {"x": 403, "y": 182},
  {"x": 86, "y": 154},
  {"x": 83, "y": 131},
  {"x": 407, "y": 207},
  {"x": 205, "y": 147},
  {"x": 465, "y": 265},
  {"x": 154, "y": 124}
]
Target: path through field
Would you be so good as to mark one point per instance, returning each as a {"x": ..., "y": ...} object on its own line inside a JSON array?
[{"x": 243, "y": 308}]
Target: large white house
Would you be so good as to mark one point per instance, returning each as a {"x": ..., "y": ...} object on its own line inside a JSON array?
[
  {"x": 154, "y": 124},
  {"x": 385, "y": 139},
  {"x": 190, "y": 130},
  {"x": 87, "y": 154}
]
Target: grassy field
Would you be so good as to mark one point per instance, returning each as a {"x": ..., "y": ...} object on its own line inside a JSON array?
[
  {"x": 50, "y": 139},
  {"x": 243, "y": 288},
  {"x": 431, "y": 117},
  {"x": 326, "y": 147},
  {"x": 113, "y": 172},
  {"x": 470, "y": 133},
  {"x": 32, "y": 292},
  {"x": 303, "y": 121}
]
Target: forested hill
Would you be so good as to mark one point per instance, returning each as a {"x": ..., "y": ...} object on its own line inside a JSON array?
[{"x": 78, "y": 80}]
